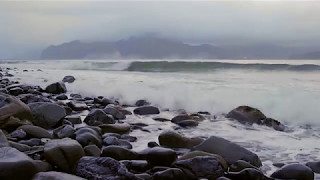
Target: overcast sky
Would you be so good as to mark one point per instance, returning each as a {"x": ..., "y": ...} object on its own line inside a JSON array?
[{"x": 28, "y": 27}]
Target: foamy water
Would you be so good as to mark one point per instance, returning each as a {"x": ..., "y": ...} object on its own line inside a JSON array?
[{"x": 288, "y": 91}]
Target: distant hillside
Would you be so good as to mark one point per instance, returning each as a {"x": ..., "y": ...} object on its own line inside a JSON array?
[{"x": 161, "y": 48}]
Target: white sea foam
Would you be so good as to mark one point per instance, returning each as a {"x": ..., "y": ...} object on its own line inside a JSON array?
[{"x": 289, "y": 96}]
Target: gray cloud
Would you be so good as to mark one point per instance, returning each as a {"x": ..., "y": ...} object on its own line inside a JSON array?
[{"x": 26, "y": 27}]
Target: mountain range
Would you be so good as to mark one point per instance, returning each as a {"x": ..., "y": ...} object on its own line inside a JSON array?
[{"x": 162, "y": 48}]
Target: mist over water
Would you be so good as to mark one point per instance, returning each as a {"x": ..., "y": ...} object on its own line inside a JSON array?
[{"x": 286, "y": 90}]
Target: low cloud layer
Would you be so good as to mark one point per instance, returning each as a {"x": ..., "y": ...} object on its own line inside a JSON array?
[{"x": 28, "y": 27}]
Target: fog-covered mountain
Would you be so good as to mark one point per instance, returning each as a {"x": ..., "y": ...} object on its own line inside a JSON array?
[{"x": 161, "y": 48}]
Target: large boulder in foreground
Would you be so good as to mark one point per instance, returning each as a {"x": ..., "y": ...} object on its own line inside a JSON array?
[
  {"x": 46, "y": 115},
  {"x": 64, "y": 153},
  {"x": 146, "y": 110},
  {"x": 13, "y": 112},
  {"x": 52, "y": 175},
  {"x": 294, "y": 171},
  {"x": 56, "y": 88},
  {"x": 15, "y": 165},
  {"x": 230, "y": 151},
  {"x": 250, "y": 115},
  {"x": 103, "y": 168}
]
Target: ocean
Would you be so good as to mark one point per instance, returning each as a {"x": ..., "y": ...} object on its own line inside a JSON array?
[{"x": 286, "y": 90}]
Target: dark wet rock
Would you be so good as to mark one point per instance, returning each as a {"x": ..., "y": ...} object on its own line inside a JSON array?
[
  {"x": 98, "y": 117},
  {"x": 184, "y": 117},
  {"x": 294, "y": 171},
  {"x": 76, "y": 96},
  {"x": 68, "y": 79},
  {"x": 159, "y": 156},
  {"x": 240, "y": 165},
  {"x": 15, "y": 165},
  {"x": 56, "y": 88},
  {"x": 146, "y": 110},
  {"x": 193, "y": 154},
  {"x": 114, "y": 111},
  {"x": 157, "y": 169},
  {"x": 247, "y": 174},
  {"x": 278, "y": 165},
  {"x": 111, "y": 134},
  {"x": 185, "y": 120},
  {"x": 188, "y": 123},
  {"x": 32, "y": 98},
  {"x": 52, "y": 175},
  {"x": 139, "y": 124},
  {"x": 142, "y": 102},
  {"x": 12, "y": 123},
  {"x": 68, "y": 110},
  {"x": 31, "y": 142},
  {"x": 66, "y": 122},
  {"x": 136, "y": 165},
  {"x": 223, "y": 178},
  {"x": 230, "y": 151},
  {"x": 77, "y": 106},
  {"x": 103, "y": 101},
  {"x": 144, "y": 176},
  {"x": 12, "y": 107},
  {"x": 16, "y": 91},
  {"x": 111, "y": 140},
  {"x": 201, "y": 166},
  {"x": 87, "y": 136},
  {"x": 250, "y": 115},
  {"x": 152, "y": 144},
  {"x": 46, "y": 115},
  {"x": 161, "y": 119},
  {"x": 315, "y": 166},
  {"x": 88, "y": 98},
  {"x": 119, "y": 153},
  {"x": 64, "y": 153},
  {"x": 246, "y": 114},
  {"x": 20, "y": 147},
  {"x": 74, "y": 119},
  {"x": 35, "y": 131},
  {"x": 172, "y": 139},
  {"x": 128, "y": 138},
  {"x": 64, "y": 131},
  {"x": 92, "y": 150},
  {"x": 18, "y": 134},
  {"x": 103, "y": 168},
  {"x": 125, "y": 111},
  {"x": 62, "y": 97},
  {"x": 120, "y": 128},
  {"x": 35, "y": 151},
  {"x": 170, "y": 174},
  {"x": 204, "y": 112},
  {"x": 3, "y": 140}
]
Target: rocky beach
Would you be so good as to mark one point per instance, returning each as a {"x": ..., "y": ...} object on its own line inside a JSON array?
[{"x": 51, "y": 133}]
